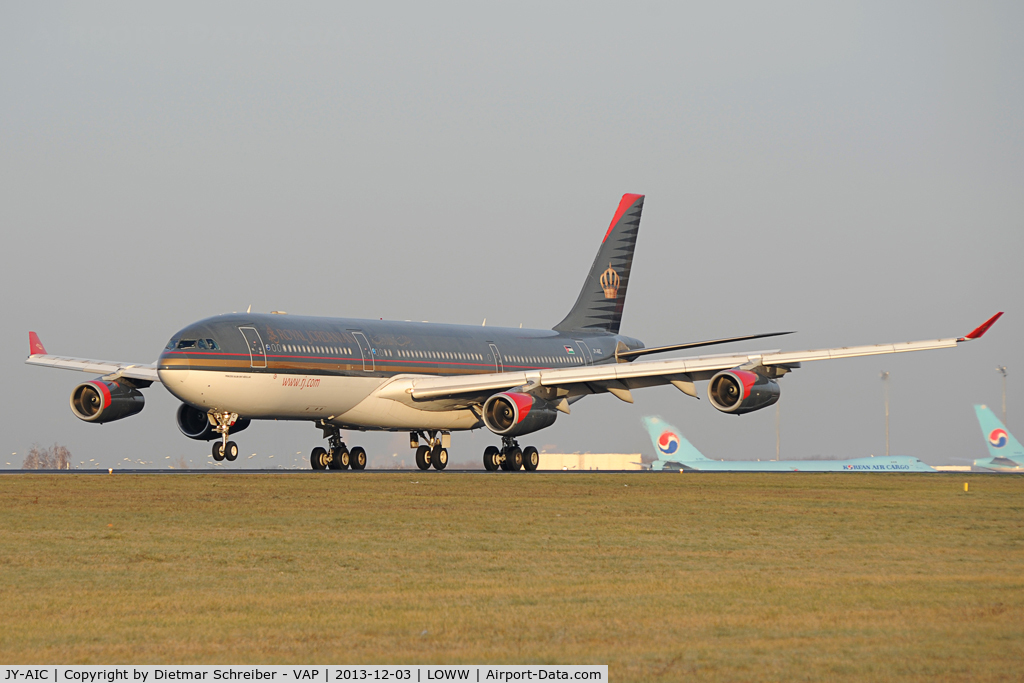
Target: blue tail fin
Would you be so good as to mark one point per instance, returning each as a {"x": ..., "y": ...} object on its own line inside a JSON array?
[
  {"x": 669, "y": 443},
  {"x": 1000, "y": 442}
]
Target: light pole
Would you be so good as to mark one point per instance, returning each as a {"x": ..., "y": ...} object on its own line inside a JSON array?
[
  {"x": 885, "y": 389},
  {"x": 1001, "y": 369}
]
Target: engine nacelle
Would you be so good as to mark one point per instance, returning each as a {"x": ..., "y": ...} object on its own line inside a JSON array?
[
  {"x": 512, "y": 414},
  {"x": 101, "y": 401},
  {"x": 194, "y": 424},
  {"x": 742, "y": 391}
]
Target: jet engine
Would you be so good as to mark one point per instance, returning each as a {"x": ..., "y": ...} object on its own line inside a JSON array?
[
  {"x": 513, "y": 414},
  {"x": 742, "y": 391},
  {"x": 194, "y": 424},
  {"x": 101, "y": 401}
]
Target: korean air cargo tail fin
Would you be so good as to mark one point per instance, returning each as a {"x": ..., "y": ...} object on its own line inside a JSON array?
[
  {"x": 669, "y": 443},
  {"x": 1001, "y": 443},
  {"x": 600, "y": 303}
]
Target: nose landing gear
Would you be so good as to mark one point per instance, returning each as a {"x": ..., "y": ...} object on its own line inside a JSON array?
[
  {"x": 222, "y": 423},
  {"x": 225, "y": 451}
]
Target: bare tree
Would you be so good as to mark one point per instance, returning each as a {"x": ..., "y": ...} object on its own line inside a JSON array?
[
  {"x": 56, "y": 457},
  {"x": 32, "y": 460},
  {"x": 60, "y": 457}
]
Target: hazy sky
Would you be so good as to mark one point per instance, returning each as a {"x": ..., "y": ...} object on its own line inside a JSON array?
[{"x": 853, "y": 172}]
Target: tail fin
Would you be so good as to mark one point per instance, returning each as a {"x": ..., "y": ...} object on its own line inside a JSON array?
[
  {"x": 669, "y": 443},
  {"x": 603, "y": 296},
  {"x": 1001, "y": 443}
]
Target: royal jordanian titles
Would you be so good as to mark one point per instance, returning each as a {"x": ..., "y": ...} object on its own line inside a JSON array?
[{"x": 431, "y": 379}]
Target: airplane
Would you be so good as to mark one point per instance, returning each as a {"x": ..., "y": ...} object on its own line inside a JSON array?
[
  {"x": 675, "y": 452},
  {"x": 1006, "y": 453},
  {"x": 432, "y": 379}
]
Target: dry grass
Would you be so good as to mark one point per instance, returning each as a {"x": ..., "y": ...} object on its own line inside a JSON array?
[{"x": 662, "y": 577}]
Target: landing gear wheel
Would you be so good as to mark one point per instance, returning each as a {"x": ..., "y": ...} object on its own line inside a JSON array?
[
  {"x": 514, "y": 459},
  {"x": 357, "y": 458},
  {"x": 339, "y": 459},
  {"x": 231, "y": 451},
  {"x": 439, "y": 456},
  {"x": 531, "y": 459},
  {"x": 491, "y": 454},
  {"x": 218, "y": 450},
  {"x": 423, "y": 457},
  {"x": 318, "y": 458}
]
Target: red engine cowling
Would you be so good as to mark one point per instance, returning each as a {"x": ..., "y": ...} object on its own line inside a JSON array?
[
  {"x": 512, "y": 414},
  {"x": 194, "y": 424},
  {"x": 100, "y": 401},
  {"x": 742, "y": 391}
]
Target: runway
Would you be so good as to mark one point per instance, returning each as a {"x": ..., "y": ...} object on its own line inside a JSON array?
[
  {"x": 430, "y": 472},
  {"x": 142, "y": 470}
]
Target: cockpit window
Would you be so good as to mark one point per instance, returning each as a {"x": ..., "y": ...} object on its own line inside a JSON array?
[{"x": 201, "y": 344}]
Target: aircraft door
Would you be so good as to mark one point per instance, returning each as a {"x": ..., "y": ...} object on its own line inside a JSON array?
[
  {"x": 365, "y": 350},
  {"x": 585, "y": 350},
  {"x": 498, "y": 367},
  {"x": 257, "y": 352}
]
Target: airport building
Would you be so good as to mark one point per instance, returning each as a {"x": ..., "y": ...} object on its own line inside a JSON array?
[{"x": 589, "y": 461}]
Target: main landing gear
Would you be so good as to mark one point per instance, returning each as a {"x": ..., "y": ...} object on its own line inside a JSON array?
[
  {"x": 224, "y": 449},
  {"x": 338, "y": 457},
  {"x": 434, "y": 452},
  {"x": 510, "y": 457}
]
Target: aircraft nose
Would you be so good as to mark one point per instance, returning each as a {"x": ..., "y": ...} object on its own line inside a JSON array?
[{"x": 173, "y": 368}]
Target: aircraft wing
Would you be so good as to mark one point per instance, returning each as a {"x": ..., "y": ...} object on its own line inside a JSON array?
[
  {"x": 111, "y": 369},
  {"x": 619, "y": 378}
]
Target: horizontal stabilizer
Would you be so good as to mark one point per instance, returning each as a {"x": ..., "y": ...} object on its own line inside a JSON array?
[{"x": 637, "y": 353}]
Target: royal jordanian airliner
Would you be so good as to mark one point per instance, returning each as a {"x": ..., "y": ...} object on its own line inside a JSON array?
[{"x": 431, "y": 379}]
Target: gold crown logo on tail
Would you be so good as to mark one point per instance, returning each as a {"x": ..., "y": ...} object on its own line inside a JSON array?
[{"x": 610, "y": 283}]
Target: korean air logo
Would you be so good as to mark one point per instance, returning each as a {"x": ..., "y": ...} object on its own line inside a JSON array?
[
  {"x": 668, "y": 443},
  {"x": 997, "y": 437}
]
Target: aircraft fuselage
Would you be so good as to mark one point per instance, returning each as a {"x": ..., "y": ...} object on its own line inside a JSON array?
[
  {"x": 268, "y": 366},
  {"x": 896, "y": 463}
]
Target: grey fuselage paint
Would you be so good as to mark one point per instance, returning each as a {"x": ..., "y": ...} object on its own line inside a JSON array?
[{"x": 361, "y": 350}]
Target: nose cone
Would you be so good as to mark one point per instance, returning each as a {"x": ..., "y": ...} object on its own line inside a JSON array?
[
  {"x": 173, "y": 365},
  {"x": 173, "y": 372}
]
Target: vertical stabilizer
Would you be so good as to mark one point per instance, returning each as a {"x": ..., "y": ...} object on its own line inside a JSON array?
[
  {"x": 1001, "y": 443},
  {"x": 669, "y": 443},
  {"x": 600, "y": 304}
]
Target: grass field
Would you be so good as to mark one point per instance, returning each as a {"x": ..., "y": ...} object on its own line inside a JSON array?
[{"x": 660, "y": 576}]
